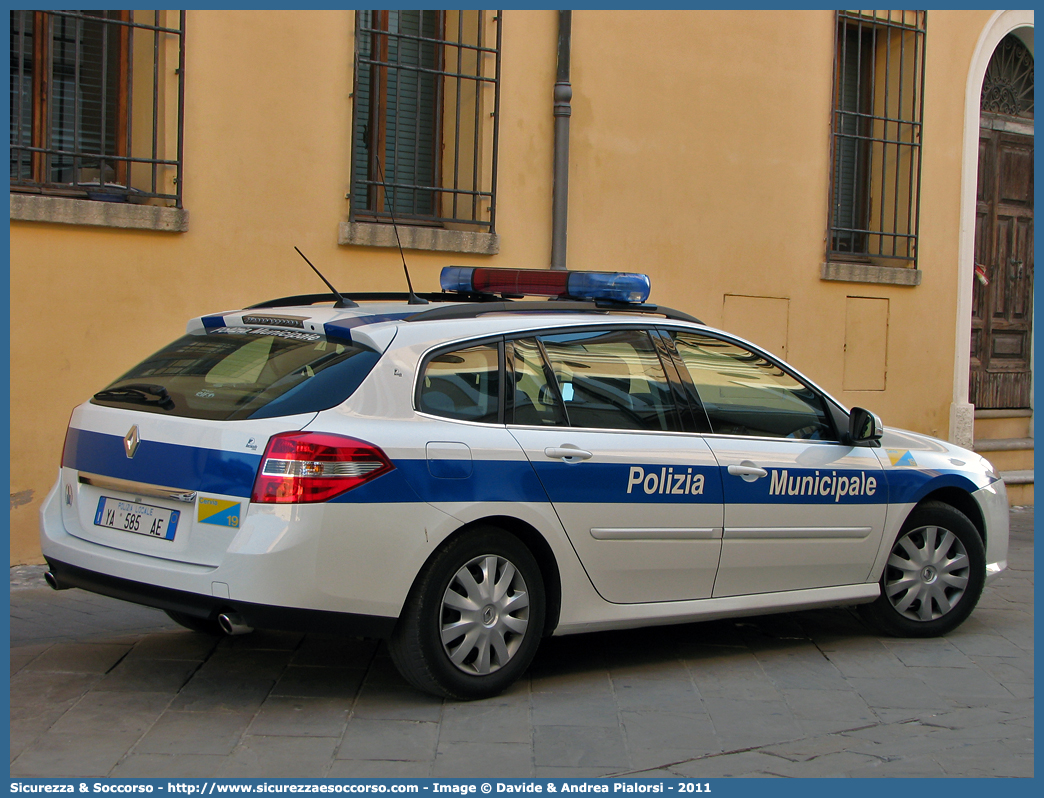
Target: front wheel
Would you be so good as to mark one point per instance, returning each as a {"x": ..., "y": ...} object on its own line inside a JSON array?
[
  {"x": 933, "y": 576},
  {"x": 474, "y": 618}
]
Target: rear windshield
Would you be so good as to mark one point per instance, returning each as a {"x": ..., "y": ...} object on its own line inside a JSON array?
[{"x": 242, "y": 372}]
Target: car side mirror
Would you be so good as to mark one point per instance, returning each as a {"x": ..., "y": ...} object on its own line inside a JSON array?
[{"x": 864, "y": 426}]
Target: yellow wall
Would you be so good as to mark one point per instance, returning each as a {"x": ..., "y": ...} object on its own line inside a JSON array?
[{"x": 699, "y": 154}]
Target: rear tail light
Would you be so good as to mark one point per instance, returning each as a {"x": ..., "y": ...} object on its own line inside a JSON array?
[{"x": 300, "y": 467}]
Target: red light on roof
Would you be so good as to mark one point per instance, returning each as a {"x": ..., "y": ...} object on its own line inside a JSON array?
[{"x": 527, "y": 282}]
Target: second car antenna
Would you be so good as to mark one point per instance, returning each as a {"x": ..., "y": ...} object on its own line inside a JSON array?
[
  {"x": 342, "y": 300},
  {"x": 414, "y": 299}
]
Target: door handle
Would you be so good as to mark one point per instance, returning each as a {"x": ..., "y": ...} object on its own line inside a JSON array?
[
  {"x": 748, "y": 471},
  {"x": 568, "y": 453}
]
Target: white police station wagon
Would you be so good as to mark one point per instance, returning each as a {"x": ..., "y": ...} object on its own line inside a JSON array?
[{"x": 466, "y": 476}]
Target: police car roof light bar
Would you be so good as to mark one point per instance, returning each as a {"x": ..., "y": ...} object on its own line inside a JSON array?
[{"x": 623, "y": 287}]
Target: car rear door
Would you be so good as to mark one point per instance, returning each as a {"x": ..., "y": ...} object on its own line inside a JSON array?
[
  {"x": 639, "y": 498},
  {"x": 802, "y": 509}
]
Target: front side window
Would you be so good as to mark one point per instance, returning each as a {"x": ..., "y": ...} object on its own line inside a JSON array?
[
  {"x": 876, "y": 125},
  {"x": 746, "y": 394},
  {"x": 94, "y": 95},
  {"x": 425, "y": 115},
  {"x": 463, "y": 384}
]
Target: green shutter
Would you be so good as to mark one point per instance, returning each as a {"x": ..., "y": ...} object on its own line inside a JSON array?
[{"x": 409, "y": 124}]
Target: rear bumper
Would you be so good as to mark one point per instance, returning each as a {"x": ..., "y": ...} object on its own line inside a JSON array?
[
  {"x": 343, "y": 567},
  {"x": 260, "y": 616}
]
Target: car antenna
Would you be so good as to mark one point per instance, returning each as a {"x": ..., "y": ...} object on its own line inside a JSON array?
[
  {"x": 342, "y": 301},
  {"x": 414, "y": 299}
]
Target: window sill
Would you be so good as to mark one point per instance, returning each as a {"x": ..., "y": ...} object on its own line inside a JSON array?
[
  {"x": 868, "y": 273},
  {"x": 434, "y": 239},
  {"x": 61, "y": 210}
]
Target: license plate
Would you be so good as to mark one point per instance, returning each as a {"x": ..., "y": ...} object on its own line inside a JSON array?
[{"x": 143, "y": 519}]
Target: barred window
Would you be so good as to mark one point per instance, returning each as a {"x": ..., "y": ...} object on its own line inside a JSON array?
[
  {"x": 876, "y": 126},
  {"x": 425, "y": 117},
  {"x": 94, "y": 95}
]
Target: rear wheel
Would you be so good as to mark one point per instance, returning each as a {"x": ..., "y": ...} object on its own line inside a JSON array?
[
  {"x": 196, "y": 624},
  {"x": 474, "y": 618},
  {"x": 933, "y": 577}
]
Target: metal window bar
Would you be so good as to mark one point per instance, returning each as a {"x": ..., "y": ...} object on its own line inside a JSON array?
[
  {"x": 1007, "y": 89},
  {"x": 421, "y": 191},
  {"x": 876, "y": 132},
  {"x": 38, "y": 169}
]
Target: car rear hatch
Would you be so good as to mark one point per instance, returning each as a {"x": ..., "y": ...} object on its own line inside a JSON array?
[{"x": 162, "y": 461}]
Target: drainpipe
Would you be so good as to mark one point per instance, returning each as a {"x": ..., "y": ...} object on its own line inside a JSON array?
[{"x": 563, "y": 96}]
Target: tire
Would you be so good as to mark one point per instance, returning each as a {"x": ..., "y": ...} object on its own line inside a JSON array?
[
  {"x": 204, "y": 626},
  {"x": 474, "y": 618},
  {"x": 933, "y": 577}
]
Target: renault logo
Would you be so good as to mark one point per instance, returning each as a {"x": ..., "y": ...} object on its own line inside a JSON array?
[{"x": 131, "y": 441}]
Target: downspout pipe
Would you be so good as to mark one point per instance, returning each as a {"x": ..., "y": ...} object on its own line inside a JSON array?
[{"x": 562, "y": 109}]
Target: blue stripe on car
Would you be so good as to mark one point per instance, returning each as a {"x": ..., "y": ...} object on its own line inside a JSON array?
[
  {"x": 341, "y": 328},
  {"x": 233, "y": 473},
  {"x": 168, "y": 464},
  {"x": 909, "y": 485}
]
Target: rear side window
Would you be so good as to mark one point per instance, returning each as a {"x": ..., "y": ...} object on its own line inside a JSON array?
[
  {"x": 233, "y": 373},
  {"x": 463, "y": 384},
  {"x": 534, "y": 402}
]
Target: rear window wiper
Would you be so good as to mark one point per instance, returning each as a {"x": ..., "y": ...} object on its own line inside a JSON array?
[{"x": 137, "y": 393}]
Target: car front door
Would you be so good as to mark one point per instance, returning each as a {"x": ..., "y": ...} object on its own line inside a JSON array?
[
  {"x": 802, "y": 509},
  {"x": 639, "y": 499}
]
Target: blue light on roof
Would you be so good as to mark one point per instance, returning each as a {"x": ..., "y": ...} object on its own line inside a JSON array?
[
  {"x": 456, "y": 278},
  {"x": 614, "y": 286}
]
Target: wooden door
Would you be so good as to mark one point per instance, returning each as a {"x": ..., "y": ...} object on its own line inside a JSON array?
[{"x": 1002, "y": 306}]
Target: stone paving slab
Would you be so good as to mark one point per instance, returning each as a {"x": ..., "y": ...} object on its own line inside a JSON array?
[{"x": 104, "y": 688}]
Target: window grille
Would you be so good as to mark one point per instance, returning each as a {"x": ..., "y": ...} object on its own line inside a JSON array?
[
  {"x": 94, "y": 95},
  {"x": 1007, "y": 88},
  {"x": 876, "y": 132},
  {"x": 426, "y": 110}
]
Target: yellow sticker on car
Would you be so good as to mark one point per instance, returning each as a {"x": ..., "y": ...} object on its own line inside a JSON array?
[
  {"x": 220, "y": 512},
  {"x": 901, "y": 457}
]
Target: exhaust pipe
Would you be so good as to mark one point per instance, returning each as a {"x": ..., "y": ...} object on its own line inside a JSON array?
[
  {"x": 52, "y": 582},
  {"x": 232, "y": 624}
]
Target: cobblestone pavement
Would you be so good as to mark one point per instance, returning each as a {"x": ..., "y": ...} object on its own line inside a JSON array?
[{"x": 103, "y": 688}]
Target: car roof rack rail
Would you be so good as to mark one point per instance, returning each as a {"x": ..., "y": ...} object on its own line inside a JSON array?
[
  {"x": 554, "y": 306},
  {"x": 470, "y": 305},
  {"x": 372, "y": 296}
]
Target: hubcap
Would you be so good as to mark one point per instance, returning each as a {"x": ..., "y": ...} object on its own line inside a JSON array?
[
  {"x": 927, "y": 573},
  {"x": 485, "y": 613}
]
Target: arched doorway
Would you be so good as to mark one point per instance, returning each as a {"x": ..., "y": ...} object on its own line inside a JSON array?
[
  {"x": 999, "y": 25},
  {"x": 1000, "y": 376}
]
